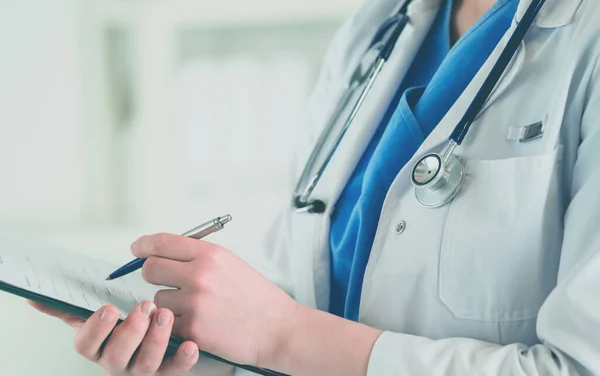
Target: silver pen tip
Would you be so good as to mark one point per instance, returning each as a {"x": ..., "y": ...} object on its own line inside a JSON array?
[
  {"x": 226, "y": 219},
  {"x": 108, "y": 279}
]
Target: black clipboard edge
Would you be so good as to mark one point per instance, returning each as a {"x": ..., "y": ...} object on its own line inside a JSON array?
[{"x": 174, "y": 342}]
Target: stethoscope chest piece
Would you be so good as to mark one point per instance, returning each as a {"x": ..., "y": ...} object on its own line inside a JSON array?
[{"x": 438, "y": 181}]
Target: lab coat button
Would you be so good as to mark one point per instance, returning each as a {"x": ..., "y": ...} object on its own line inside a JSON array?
[{"x": 400, "y": 227}]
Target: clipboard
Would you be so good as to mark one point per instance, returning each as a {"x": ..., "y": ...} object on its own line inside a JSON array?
[{"x": 174, "y": 342}]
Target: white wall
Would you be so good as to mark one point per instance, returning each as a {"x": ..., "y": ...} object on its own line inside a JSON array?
[
  {"x": 40, "y": 163},
  {"x": 39, "y": 111},
  {"x": 76, "y": 177}
]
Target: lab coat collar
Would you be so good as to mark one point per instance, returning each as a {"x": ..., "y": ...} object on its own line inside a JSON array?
[
  {"x": 554, "y": 13},
  {"x": 423, "y": 4}
]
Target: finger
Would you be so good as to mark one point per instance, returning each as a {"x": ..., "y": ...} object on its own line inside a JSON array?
[
  {"x": 154, "y": 345},
  {"x": 93, "y": 333},
  {"x": 165, "y": 272},
  {"x": 174, "y": 247},
  {"x": 180, "y": 325},
  {"x": 72, "y": 320},
  {"x": 126, "y": 338},
  {"x": 186, "y": 357},
  {"x": 183, "y": 327},
  {"x": 174, "y": 300}
]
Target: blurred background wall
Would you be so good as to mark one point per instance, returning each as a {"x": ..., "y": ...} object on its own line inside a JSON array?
[{"x": 121, "y": 118}]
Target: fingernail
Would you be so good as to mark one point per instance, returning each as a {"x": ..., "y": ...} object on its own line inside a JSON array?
[
  {"x": 147, "y": 308},
  {"x": 107, "y": 314},
  {"x": 188, "y": 352},
  {"x": 163, "y": 319},
  {"x": 132, "y": 246}
]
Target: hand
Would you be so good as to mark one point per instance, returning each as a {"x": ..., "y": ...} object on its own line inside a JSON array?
[
  {"x": 220, "y": 302},
  {"x": 146, "y": 330}
]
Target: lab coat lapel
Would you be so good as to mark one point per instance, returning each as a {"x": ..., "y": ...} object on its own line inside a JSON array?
[
  {"x": 315, "y": 291},
  {"x": 355, "y": 141},
  {"x": 453, "y": 116},
  {"x": 554, "y": 13},
  {"x": 421, "y": 13}
]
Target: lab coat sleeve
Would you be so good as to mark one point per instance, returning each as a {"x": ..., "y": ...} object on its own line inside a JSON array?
[{"x": 568, "y": 324}]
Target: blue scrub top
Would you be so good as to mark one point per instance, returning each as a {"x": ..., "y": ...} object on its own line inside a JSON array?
[{"x": 437, "y": 77}]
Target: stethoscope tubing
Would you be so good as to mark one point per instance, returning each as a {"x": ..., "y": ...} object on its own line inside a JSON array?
[{"x": 385, "y": 40}]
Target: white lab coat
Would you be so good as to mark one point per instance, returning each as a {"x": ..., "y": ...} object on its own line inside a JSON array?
[{"x": 505, "y": 280}]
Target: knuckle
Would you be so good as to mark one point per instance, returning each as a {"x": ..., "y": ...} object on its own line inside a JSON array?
[
  {"x": 202, "y": 280},
  {"x": 114, "y": 359},
  {"x": 146, "y": 367},
  {"x": 221, "y": 258},
  {"x": 160, "y": 241},
  {"x": 148, "y": 268},
  {"x": 138, "y": 329},
  {"x": 154, "y": 342},
  {"x": 208, "y": 280},
  {"x": 216, "y": 257},
  {"x": 82, "y": 350},
  {"x": 211, "y": 257},
  {"x": 143, "y": 245},
  {"x": 135, "y": 326},
  {"x": 136, "y": 245},
  {"x": 193, "y": 308},
  {"x": 209, "y": 252}
]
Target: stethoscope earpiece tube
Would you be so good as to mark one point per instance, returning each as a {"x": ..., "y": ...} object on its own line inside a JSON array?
[
  {"x": 399, "y": 21},
  {"x": 461, "y": 130},
  {"x": 382, "y": 45}
]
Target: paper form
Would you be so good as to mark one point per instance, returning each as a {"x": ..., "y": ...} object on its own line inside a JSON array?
[{"x": 69, "y": 277}]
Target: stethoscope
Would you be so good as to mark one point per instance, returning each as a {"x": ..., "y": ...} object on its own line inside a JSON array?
[{"x": 437, "y": 178}]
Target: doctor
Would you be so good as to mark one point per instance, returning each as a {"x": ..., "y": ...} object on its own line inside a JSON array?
[{"x": 387, "y": 267}]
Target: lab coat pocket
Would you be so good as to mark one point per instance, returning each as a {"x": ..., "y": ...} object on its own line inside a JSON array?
[{"x": 501, "y": 246}]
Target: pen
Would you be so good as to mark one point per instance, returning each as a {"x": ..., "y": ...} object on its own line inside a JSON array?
[{"x": 198, "y": 232}]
